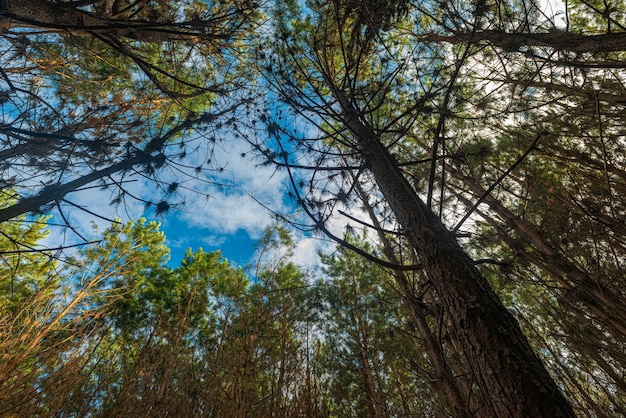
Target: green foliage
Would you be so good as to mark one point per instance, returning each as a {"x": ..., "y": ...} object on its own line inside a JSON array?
[
  {"x": 456, "y": 91},
  {"x": 486, "y": 107},
  {"x": 137, "y": 336},
  {"x": 597, "y": 16},
  {"x": 369, "y": 348},
  {"x": 23, "y": 271}
]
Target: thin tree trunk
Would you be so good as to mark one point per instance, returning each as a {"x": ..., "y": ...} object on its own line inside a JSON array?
[
  {"x": 375, "y": 402},
  {"x": 588, "y": 290},
  {"x": 510, "y": 376}
]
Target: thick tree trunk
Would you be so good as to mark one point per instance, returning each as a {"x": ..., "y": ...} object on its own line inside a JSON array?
[
  {"x": 510, "y": 376},
  {"x": 444, "y": 383},
  {"x": 66, "y": 18},
  {"x": 557, "y": 40}
]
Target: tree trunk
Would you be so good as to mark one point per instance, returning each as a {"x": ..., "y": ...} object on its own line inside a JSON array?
[
  {"x": 66, "y": 18},
  {"x": 510, "y": 376},
  {"x": 586, "y": 288},
  {"x": 444, "y": 383},
  {"x": 374, "y": 401},
  {"x": 557, "y": 40}
]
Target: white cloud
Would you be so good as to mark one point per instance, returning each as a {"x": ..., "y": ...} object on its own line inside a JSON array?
[
  {"x": 227, "y": 213},
  {"x": 202, "y": 221},
  {"x": 306, "y": 252},
  {"x": 230, "y": 208},
  {"x": 555, "y": 10}
]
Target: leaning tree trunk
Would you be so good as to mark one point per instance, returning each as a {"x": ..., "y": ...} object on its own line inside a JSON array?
[
  {"x": 444, "y": 383},
  {"x": 511, "y": 378},
  {"x": 66, "y": 17}
]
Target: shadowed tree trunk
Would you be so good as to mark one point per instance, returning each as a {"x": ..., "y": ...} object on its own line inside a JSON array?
[
  {"x": 447, "y": 387},
  {"x": 512, "y": 380},
  {"x": 557, "y": 40},
  {"x": 68, "y": 18}
]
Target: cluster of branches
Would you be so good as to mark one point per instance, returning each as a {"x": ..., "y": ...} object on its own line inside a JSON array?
[
  {"x": 105, "y": 94},
  {"x": 121, "y": 333},
  {"x": 492, "y": 123},
  {"x": 483, "y": 142}
]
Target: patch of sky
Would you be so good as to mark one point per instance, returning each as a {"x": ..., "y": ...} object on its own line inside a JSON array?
[{"x": 225, "y": 209}]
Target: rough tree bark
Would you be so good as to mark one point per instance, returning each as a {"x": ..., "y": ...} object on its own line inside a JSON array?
[
  {"x": 67, "y": 18},
  {"x": 445, "y": 385},
  {"x": 511, "y": 378},
  {"x": 557, "y": 40}
]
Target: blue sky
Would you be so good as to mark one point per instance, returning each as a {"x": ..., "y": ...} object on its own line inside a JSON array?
[
  {"x": 237, "y": 247},
  {"x": 230, "y": 219}
]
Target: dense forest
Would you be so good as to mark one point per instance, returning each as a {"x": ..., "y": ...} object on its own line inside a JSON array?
[{"x": 475, "y": 153}]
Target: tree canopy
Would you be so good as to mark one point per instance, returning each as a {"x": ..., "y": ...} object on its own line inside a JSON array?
[
  {"x": 475, "y": 151},
  {"x": 102, "y": 93}
]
